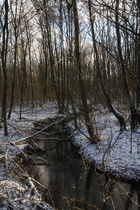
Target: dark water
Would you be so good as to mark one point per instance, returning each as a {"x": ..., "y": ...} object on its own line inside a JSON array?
[{"x": 73, "y": 184}]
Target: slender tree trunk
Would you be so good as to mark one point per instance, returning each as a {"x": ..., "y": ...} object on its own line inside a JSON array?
[
  {"x": 22, "y": 75},
  {"x": 30, "y": 62},
  {"x": 62, "y": 60},
  {"x": 13, "y": 80},
  {"x": 15, "y": 27},
  {"x": 138, "y": 55},
  {"x": 46, "y": 81},
  {"x": 21, "y": 100},
  {"x": 4, "y": 66}
]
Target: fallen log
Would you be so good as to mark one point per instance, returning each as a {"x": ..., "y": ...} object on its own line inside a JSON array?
[{"x": 38, "y": 132}]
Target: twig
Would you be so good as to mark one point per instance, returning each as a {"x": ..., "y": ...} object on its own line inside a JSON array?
[
  {"x": 35, "y": 146},
  {"x": 110, "y": 146},
  {"x": 38, "y": 183},
  {"x": 131, "y": 138},
  {"x": 39, "y": 158},
  {"x": 60, "y": 141}
]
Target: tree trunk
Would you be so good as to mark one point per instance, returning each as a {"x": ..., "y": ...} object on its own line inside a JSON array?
[
  {"x": 4, "y": 66},
  {"x": 80, "y": 76},
  {"x": 133, "y": 108},
  {"x": 13, "y": 80},
  {"x": 23, "y": 75},
  {"x": 138, "y": 56}
]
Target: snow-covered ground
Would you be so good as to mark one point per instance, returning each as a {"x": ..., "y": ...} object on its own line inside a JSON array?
[
  {"x": 116, "y": 152},
  {"x": 19, "y": 129},
  {"x": 17, "y": 190}
]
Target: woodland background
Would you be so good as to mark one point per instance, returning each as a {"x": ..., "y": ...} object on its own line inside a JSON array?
[{"x": 78, "y": 53}]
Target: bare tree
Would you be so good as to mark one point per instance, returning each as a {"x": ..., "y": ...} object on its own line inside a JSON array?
[
  {"x": 16, "y": 21},
  {"x": 114, "y": 111},
  {"x": 23, "y": 73},
  {"x": 5, "y": 33},
  {"x": 133, "y": 108},
  {"x": 82, "y": 88}
]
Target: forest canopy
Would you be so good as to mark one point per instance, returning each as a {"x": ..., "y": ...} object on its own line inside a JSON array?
[{"x": 79, "y": 53}]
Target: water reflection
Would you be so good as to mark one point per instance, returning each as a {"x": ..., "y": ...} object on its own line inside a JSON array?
[{"x": 71, "y": 186}]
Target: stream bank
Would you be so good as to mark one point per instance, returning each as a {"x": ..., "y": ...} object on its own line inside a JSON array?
[
  {"x": 17, "y": 189},
  {"x": 72, "y": 182}
]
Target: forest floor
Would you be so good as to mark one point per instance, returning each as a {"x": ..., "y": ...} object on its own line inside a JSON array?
[
  {"x": 17, "y": 188},
  {"x": 118, "y": 153}
]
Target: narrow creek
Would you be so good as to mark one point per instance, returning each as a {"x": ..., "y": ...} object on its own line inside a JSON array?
[{"x": 72, "y": 184}]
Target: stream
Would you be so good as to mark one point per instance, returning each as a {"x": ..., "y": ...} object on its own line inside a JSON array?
[{"x": 72, "y": 184}]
